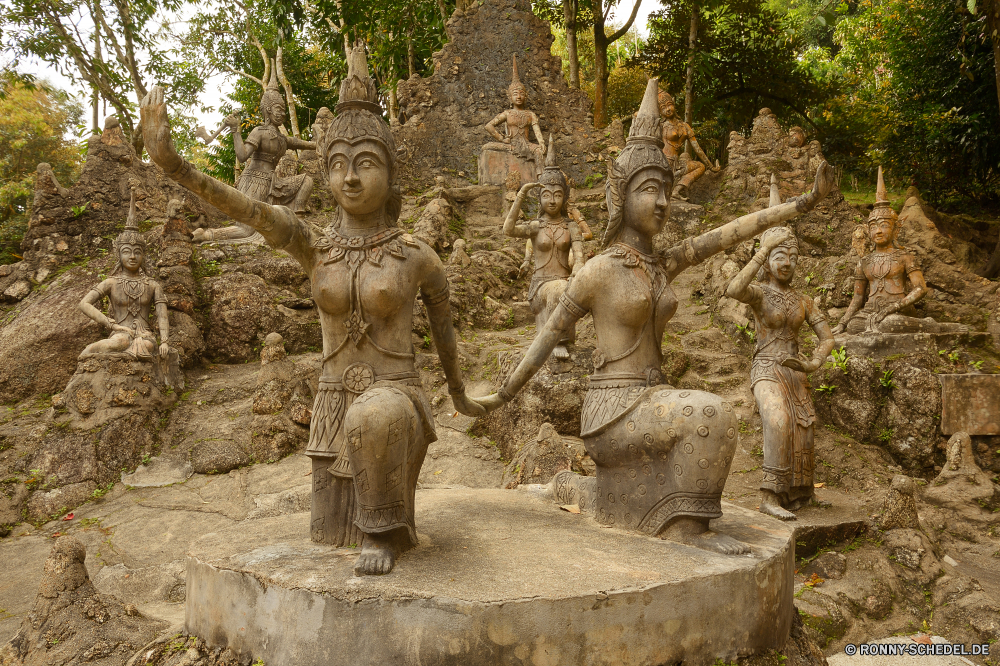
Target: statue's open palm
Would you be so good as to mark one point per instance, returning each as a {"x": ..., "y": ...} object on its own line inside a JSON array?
[{"x": 156, "y": 128}]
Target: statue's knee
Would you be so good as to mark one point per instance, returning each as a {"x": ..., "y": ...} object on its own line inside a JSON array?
[{"x": 381, "y": 412}]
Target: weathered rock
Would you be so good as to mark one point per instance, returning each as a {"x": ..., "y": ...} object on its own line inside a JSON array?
[
  {"x": 899, "y": 509},
  {"x": 432, "y": 225},
  {"x": 962, "y": 486},
  {"x": 541, "y": 457},
  {"x": 71, "y": 623}
]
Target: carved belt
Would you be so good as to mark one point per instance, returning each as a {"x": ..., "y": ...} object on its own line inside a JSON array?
[
  {"x": 652, "y": 377},
  {"x": 359, "y": 377}
]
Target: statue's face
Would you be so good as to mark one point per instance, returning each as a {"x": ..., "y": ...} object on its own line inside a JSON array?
[
  {"x": 518, "y": 96},
  {"x": 647, "y": 200},
  {"x": 796, "y": 139},
  {"x": 882, "y": 231},
  {"x": 552, "y": 199},
  {"x": 358, "y": 175},
  {"x": 782, "y": 262},
  {"x": 130, "y": 256},
  {"x": 667, "y": 107},
  {"x": 277, "y": 113}
]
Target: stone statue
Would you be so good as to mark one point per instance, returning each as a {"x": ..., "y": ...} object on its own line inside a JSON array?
[
  {"x": 880, "y": 281},
  {"x": 796, "y": 137},
  {"x": 131, "y": 293},
  {"x": 675, "y": 133},
  {"x": 513, "y": 150},
  {"x": 371, "y": 421},
  {"x": 261, "y": 152},
  {"x": 662, "y": 456},
  {"x": 556, "y": 241},
  {"x": 778, "y": 376}
]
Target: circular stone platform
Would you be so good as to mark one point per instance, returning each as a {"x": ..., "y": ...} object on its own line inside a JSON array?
[{"x": 499, "y": 577}]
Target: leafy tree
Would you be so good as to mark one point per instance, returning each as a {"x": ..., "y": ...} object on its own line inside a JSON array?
[
  {"x": 33, "y": 124},
  {"x": 602, "y": 40}
]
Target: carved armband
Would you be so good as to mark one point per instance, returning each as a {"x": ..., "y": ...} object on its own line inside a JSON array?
[
  {"x": 689, "y": 253},
  {"x": 436, "y": 298},
  {"x": 572, "y": 307},
  {"x": 457, "y": 391},
  {"x": 504, "y": 394}
]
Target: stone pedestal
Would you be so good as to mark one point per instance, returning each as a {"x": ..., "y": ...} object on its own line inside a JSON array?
[
  {"x": 880, "y": 345},
  {"x": 970, "y": 403},
  {"x": 106, "y": 386},
  {"x": 499, "y": 577},
  {"x": 496, "y": 162}
]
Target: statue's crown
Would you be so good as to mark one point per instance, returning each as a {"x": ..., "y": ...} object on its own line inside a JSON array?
[{"x": 358, "y": 90}]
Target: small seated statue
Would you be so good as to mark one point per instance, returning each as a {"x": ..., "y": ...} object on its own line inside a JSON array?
[
  {"x": 519, "y": 123},
  {"x": 880, "y": 281},
  {"x": 662, "y": 455},
  {"x": 261, "y": 179},
  {"x": 675, "y": 133},
  {"x": 778, "y": 375},
  {"x": 557, "y": 245},
  {"x": 131, "y": 293}
]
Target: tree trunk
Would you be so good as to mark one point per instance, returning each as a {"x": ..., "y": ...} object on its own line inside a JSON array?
[
  {"x": 601, "y": 42},
  {"x": 992, "y": 267},
  {"x": 289, "y": 99},
  {"x": 97, "y": 95},
  {"x": 444, "y": 12},
  {"x": 689, "y": 77},
  {"x": 411, "y": 54},
  {"x": 569, "y": 12},
  {"x": 992, "y": 9},
  {"x": 393, "y": 106}
]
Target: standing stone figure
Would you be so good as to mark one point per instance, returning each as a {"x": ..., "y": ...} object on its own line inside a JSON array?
[
  {"x": 880, "y": 281},
  {"x": 524, "y": 156},
  {"x": 261, "y": 152},
  {"x": 131, "y": 293},
  {"x": 557, "y": 245},
  {"x": 371, "y": 421},
  {"x": 778, "y": 376},
  {"x": 675, "y": 133},
  {"x": 662, "y": 455}
]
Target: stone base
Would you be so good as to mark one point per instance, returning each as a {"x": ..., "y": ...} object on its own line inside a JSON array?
[
  {"x": 499, "y": 577},
  {"x": 106, "y": 386},
  {"x": 880, "y": 345},
  {"x": 494, "y": 165}
]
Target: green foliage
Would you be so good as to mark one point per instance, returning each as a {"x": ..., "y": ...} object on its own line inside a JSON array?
[
  {"x": 840, "y": 359},
  {"x": 34, "y": 120},
  {"x": 886, "y": 380},
  {"x": 827, "y": 388},
  {"x": 78, "y": 211}
]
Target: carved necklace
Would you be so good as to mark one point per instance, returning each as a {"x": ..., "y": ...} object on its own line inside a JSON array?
[
  {"x": 357, "y": 250},
  {"x": 134, "y": 288},
  {"x": 881, "y": 263}
]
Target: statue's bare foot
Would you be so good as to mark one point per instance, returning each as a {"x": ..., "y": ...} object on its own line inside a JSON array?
[
  {"x": 377, "y": 558},
  {"x": 695, "y": 532},
  {"x": 560, "y": 353},
  {"x": 770, "y": 505}
]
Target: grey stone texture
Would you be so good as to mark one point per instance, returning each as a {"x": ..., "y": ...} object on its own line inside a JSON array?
[{"x": 499, "y": 577}]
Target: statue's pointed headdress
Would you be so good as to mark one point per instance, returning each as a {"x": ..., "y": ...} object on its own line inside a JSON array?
[
  {"x": 883, "y": 208},
  {"x": 643, "y": 148},
  {"x": 552, "y": 175},
  {"x": 359, "y": 116},
  {"x": 515, "y": 80},
  {"x": 131, "y": 234},
  {"x": 775, "y": 198},
  {"x": 271, "y": 99}
]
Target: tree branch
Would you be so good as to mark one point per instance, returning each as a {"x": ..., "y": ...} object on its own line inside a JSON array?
[{"x": 628, "y": 24}]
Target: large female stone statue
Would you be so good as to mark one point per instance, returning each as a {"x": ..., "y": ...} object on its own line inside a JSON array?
[
  {"x": 778, "y": 377},
  {"x": 371, "y": 421},
  {"x": 131, "y": 294},
  {"x": 884, "y": 274},
  {"x": 519, "y": 123},
  {"x": 675, "y": 133},
  {"x": 662, "y": 455},
  {"x": 261, "y": 152},
  {"x": 557, "y": 245}
]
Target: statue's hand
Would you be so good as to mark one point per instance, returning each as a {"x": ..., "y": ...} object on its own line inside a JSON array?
[
  {"x": 527, "y": 187},
  {"x": 802, "y": 365},
  {"x": 156, "y": 130},
  {"x": 164, "y": 350},
  {"x": 232, "y": 122},
  {"x": 825, "y": 180},
  {"x": 491, "y": 402},
  {"x": 781, "y": 235},
  {"x": 523, "y": 270},
  {"x": 467, "y": 405},
  {"x": 838, "y": 329}
]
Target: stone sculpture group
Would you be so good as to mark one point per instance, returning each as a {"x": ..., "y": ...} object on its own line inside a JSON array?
[{"x": 662, "y": 455}]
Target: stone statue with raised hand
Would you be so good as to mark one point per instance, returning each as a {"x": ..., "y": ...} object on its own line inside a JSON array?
[
  {"x": 261, "y": 152},
  {"x": 662, "y": 455},
  {"x": 881, "y": 278},
  {"x": 131, "y": 294},
  {"x": 520, "y": 123},
  {"x": 675, "y": 133},
  {"x": 778, "y": 375},
  {"x": 556, "y": 241},
  {"x": 371, "y": 420}
]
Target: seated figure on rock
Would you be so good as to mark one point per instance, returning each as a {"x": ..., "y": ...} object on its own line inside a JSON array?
[
  {"x": 513, "y": 150},
  {"x": 882, "y": 303},
  {"x": 131, "y": 293},
  {"x": 675, "y": 133},
  {"x": 260, "y": 179},
  {"x": 557, "y": 245},
  {"x": 662, "y": 455},
  {"x": 371, "y": 421},
  {"x": 778, "y": 375}
]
